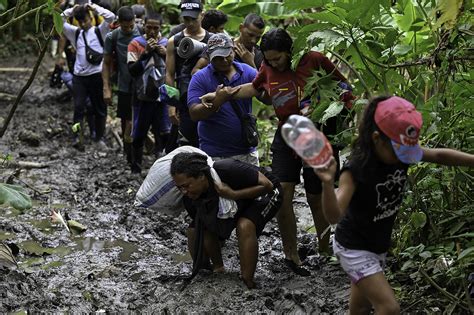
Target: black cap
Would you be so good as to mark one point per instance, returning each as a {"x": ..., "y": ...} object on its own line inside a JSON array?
[{"x": 191, "y": 8}]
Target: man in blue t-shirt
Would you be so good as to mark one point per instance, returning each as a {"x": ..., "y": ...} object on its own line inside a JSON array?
[{"x": 219, "y": 127}]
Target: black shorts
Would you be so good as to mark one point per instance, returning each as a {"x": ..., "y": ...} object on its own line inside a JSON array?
[
  {"x": 260, "y": 211},
  {"x": 124, "y": 105},
  {"x": 286, "y": 165}
]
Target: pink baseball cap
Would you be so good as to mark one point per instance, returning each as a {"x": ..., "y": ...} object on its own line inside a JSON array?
[{"x": 401, "y": 122}]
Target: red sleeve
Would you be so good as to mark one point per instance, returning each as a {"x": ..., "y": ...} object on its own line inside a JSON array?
[
  {"x": 134, "y": 51},
  {"x": 261, "y": 82}
]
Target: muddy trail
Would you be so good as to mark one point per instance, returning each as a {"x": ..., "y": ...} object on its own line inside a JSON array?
[{"x": 128, "y": 259}]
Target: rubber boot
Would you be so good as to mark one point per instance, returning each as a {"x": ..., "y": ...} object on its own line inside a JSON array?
[
  {"x": 99, "y": 127},
  {"x": 172, "y": 141},
  {"x": 137, "y": 158},
  {"x": 127, "y": 150},
  {"x": 91, "y": 122}
]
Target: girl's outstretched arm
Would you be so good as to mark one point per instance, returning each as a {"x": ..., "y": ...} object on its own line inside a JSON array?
[
  {"x": 448, "y": 157},
  {"x": 335, "y": 202}
]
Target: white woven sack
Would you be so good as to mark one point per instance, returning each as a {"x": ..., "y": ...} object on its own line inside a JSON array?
[{"x": 159, "y": 192}]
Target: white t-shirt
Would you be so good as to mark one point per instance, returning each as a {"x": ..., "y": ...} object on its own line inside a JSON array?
[{"x": 82, "y": 67}]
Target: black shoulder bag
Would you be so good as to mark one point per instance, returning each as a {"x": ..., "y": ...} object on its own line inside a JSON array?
[
  {"x": 248, "y": 123},
  {"x": 92, "y": 56}
]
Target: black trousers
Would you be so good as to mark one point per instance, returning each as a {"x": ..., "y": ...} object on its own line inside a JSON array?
[
  {"x": 146, "y": 115},
  {"x": 187, "y": 126},
  {"x": 91, "y": 87}
]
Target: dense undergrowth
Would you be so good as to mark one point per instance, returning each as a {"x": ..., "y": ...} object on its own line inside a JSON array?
[{"x": 421, "y": 50}]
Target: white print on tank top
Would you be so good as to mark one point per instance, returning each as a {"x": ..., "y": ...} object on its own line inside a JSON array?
[{"x": 389, "y": 194}]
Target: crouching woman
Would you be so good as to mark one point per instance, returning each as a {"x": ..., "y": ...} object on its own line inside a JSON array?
[{"x": 258, "y": 197}]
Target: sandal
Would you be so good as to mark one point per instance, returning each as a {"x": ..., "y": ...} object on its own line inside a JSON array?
[{"x": 297, "y": 269}]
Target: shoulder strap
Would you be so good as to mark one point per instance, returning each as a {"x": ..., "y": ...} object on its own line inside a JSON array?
[
  {"x": 78, "y": 31},
  {"x": 207, "y": 36},
  {"x": 177, "y": 39},
  {"x": 85, "y": 40},
  {"x": 99, "y": 36},
  {"x": 235, "y": 107},
  {"x": 97, "y": 32},
  {"x": 140, "y": 30},
  {"x": 114, "y": 40}
]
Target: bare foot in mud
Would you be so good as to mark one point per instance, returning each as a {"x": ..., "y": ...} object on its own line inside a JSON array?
[
  {"x": 219, "y": 269},
  {"x": 144, "y": 247},
  {"x": 250, "y": 284},
  {"x": 298, "y": 269}
]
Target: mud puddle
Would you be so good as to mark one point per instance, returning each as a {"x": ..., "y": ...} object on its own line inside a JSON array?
[{"x": 128, "y": 259}]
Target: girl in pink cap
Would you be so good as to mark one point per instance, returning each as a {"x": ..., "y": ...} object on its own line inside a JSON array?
[{"x": 370, "y": 191}]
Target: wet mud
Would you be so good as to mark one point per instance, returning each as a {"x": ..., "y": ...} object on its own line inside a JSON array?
[{"x": 128, "y": 259}]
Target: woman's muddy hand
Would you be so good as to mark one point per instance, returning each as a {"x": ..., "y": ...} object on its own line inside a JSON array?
[
  {"x": 207, "y": 99},
  {"x": 226, "y": 92}
]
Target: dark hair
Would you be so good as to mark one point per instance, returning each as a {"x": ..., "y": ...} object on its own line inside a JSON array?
[
  {"x": 363, "y": 147},
  {"x": 151, "y": 15},
  {"x": 138, "y": 10},
  {"x": 125, "y": 14},
  {"x": 254, "y": 19},
  {"x": 105, "y": 4},
  {"x": 276, "y": 39},
  {"x": 190, "y": 164},
  {"x": 80, "y": 12},
  {"x": 214, "y": 18}
]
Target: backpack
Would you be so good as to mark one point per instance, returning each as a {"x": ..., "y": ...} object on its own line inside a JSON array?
[{"x": 148, "y": 83}]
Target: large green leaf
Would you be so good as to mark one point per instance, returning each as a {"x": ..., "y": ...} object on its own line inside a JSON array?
[
  {"x": 3, "y": 5},
  {"x": 332, "y": 111},
  {"x": 418, "y": 219},
  {"x": 402, "y": 49},
  {"x": 166, "y": 2},
  {"x": 15, "y": 196},
  {"x": 303, "y": 4},
  {"x": 449, "y": 12},
  {"x": 58, "y": 22},
  {"x": 307, "y": 29},
  {"x": 233, "y": 22},
  {"x": 238, "y": 7},
  {"x": 405, "y": 20},
  {"x": 274, "y": 10},
  {"x": 466, "y": 253},
  {"x": 326, "y": 16},
  {"x": 329, "y": 38}
]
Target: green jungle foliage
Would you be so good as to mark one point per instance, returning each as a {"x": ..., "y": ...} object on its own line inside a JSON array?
[
  {"x": 418, "y": 49},
  {"x": 421, "y": 50}
]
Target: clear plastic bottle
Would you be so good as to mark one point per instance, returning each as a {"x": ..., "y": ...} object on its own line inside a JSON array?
[{"x": 308, "y": 142}]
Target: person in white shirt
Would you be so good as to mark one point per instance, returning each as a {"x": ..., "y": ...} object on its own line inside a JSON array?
[{"x": 87, "y": 81}]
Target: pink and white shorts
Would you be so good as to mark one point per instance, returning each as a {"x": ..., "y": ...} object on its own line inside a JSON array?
[{"x": 358, "y": 264}]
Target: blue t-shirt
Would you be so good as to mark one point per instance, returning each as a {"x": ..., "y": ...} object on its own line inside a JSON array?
[{"x": 220, "y": 135}]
